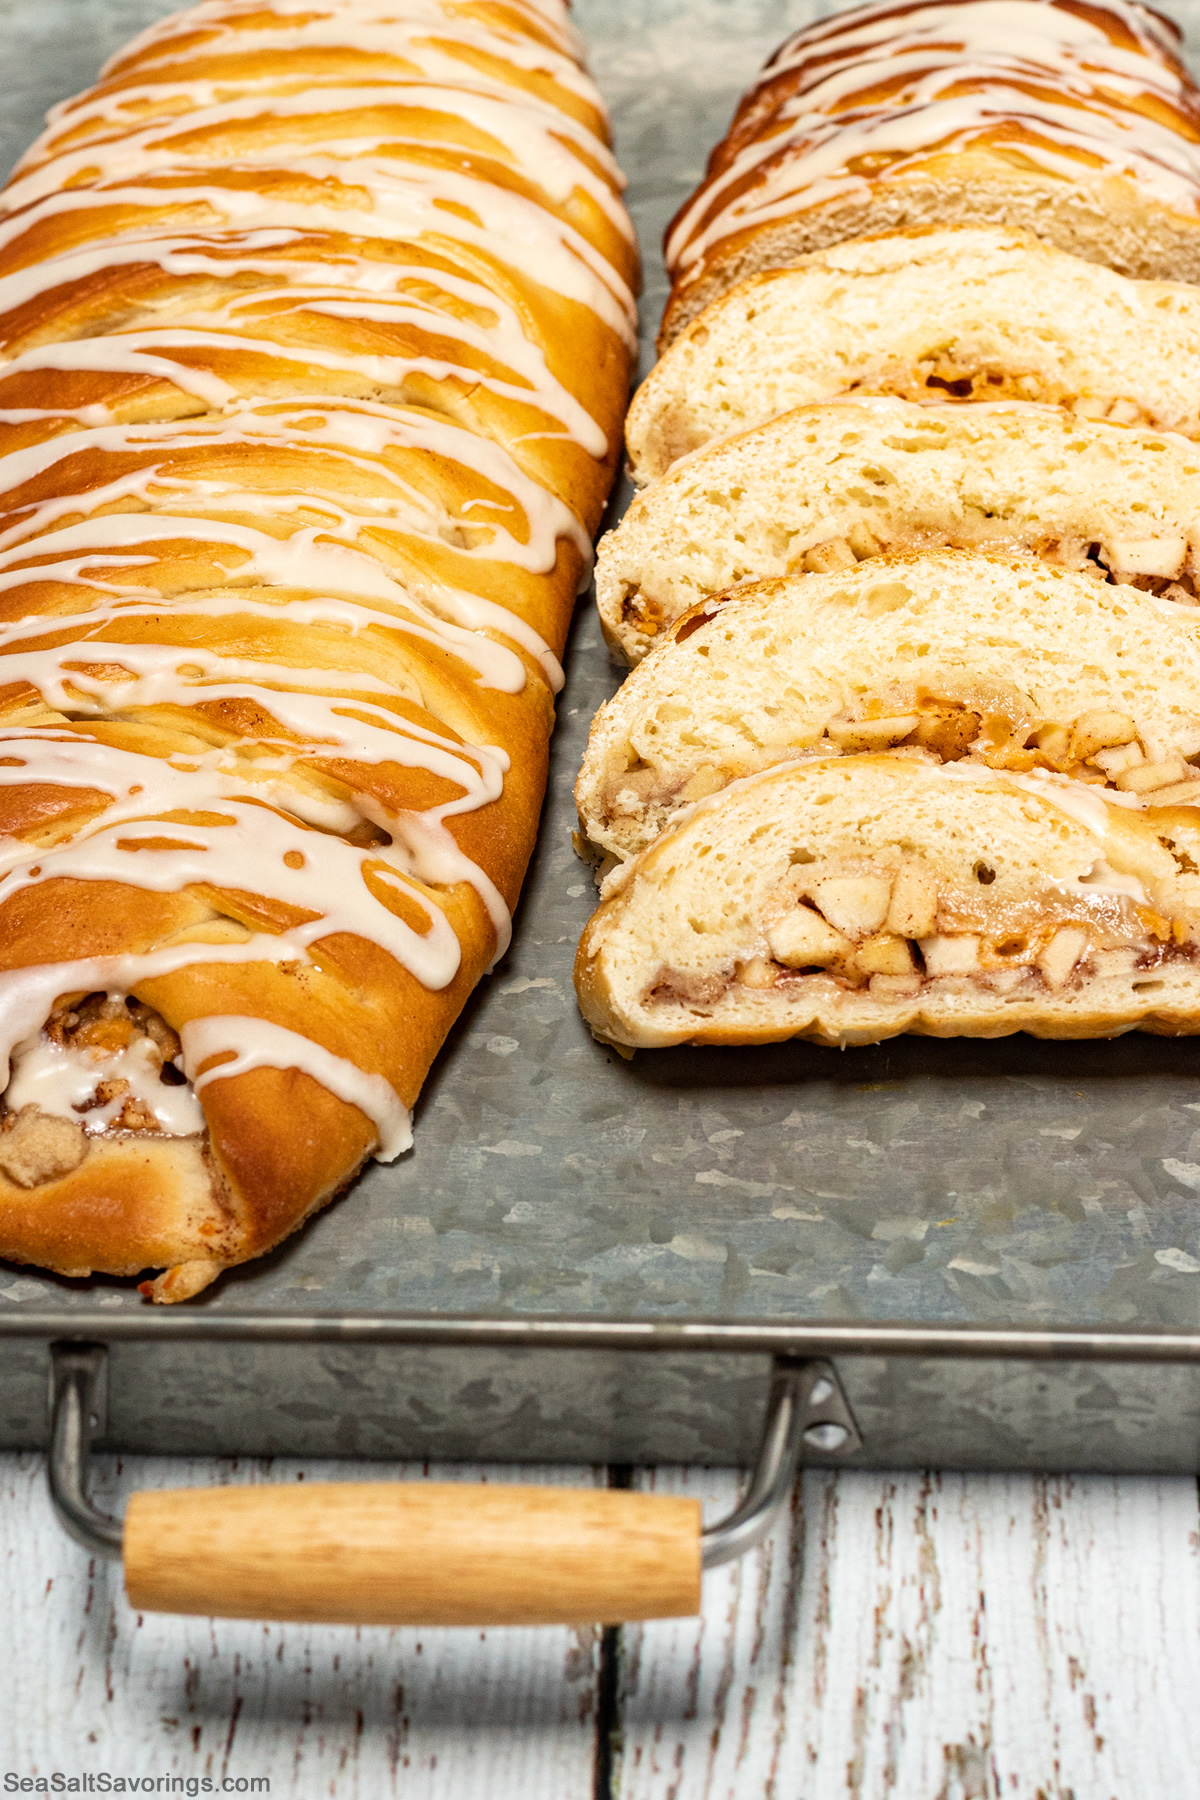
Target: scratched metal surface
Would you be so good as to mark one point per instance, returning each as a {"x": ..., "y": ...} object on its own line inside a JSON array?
[{"x": 1011, "y": 1182}]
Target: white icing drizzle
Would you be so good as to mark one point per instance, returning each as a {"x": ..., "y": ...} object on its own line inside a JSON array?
[
  {"x": 396, "y": 49},
  {"x": 251, "y": 839},
  {"x": 413, "y": 205},
  {"x": 549, "y": 149},
  {"x": 62, "y": 1079},
  {"x": 161, "y": 349},
  {"x": 1056, "y": 74},
  {"x": 302, "y": 561},
  {"x": 356, "y": 440},
  {"x": 131, "y": 603},
  {"x": 258, "y": 1044},
  {"x": 423, "y": 849},
  {"x": 364, "y": 24},
  {"x": 276, "y": 199},
  {"x": 28, "y": 996}
]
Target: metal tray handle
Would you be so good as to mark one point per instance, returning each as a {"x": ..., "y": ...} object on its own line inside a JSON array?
[{"x": 427, "y": 1553}]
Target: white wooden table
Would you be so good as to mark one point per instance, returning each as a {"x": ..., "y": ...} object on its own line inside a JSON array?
[{"x": 905, "y": 1637}]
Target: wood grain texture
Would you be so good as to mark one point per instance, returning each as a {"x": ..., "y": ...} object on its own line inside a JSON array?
[
  {"x": 414, "y": 1553},
  {"x": 321, "y": 1710},
  {"x": 904, "y": 1638},
  {"x": 943, "y": 1637}
]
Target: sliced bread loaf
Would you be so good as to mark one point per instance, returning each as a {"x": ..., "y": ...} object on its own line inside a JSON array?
[
  {"x": 850, "y": 900},
  {"x": 826, "y": 486},
  {"x": 972, "y": 312},
  {"x": 1000, "y": 660}
]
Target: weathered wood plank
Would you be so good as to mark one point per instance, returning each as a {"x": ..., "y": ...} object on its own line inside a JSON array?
[
  {"x": 90, "y": 1685},
  {"x": 915, "y": 1638},
  {"x": 932, "y": 1638}
]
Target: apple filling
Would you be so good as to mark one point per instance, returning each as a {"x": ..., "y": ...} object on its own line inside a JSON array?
[
  {"x": 1160, "y": 566},
  {"x": 102, "y": 1065},
  {"x": 892, "y": 933},
  {"x": 1102, "y": 747}
]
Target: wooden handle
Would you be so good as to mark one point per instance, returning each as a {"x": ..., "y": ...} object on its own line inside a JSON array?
[{"x": 414, "y": 1553}]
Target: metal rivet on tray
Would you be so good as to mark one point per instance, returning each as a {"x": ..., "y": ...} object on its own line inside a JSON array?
[{"x": 826, "y": 1437}]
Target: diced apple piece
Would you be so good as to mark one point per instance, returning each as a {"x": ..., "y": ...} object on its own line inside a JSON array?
[
  {"x": 1146, "y": 556},
  {"x": 802, "y": 939},
  {"x": 862, "y": 540},
  {"x": 1183, "y": 793},
  {"x": 1003, "y": 981},
  {"x": 1148, "y": 776},
  {"x": 855, "y": 904},
  {"x": 1100, "y": 730},
  {"x": 757, "y": 972},
  {"x": 949, "y": 732},
  {"x": 706, "y": 780},
  {"x": 1115, "y": 962},
  {"x": 870, "y": 734},
  {"x": 895, "y": 987},
  {"x": 1053, "y": 741},
  {"x": 885, "y": 954},
  {"x": 957, "y": 955},
  {"x": 912, "y": 912},
  {"x": 823, "y": 559},
  {"x": 1115, "y": 762},
  {"x": 1061, "y": 954}
]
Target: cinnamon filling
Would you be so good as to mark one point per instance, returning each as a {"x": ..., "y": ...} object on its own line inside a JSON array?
[
  {"x": 103, "y": 1065},
  {"x": 894, "y": 932},
  {"x": 1102, "y": 747},
  {"x": 1156, "y": 566}
]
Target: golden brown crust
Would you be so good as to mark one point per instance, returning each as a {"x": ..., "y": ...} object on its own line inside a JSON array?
[
  {"x": 129, "y": 1206},
  {"x": 265, "y": 344}
]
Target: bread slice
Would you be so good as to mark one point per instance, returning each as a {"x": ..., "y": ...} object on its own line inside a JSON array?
[
  {"x": 850, "y": 900},
  {"x": 1077, "y": 121},
  {"x": 972, "y": 312},
  {"x": 997, "y": 659},
  {"x": 826, "y": 486}
]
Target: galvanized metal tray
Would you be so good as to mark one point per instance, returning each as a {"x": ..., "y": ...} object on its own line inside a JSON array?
[{"x": 999, "y": 1242}]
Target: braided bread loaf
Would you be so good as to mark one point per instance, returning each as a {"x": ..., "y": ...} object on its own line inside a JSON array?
[
  {"x": 317, "y": 319},
  {"x": 1077, "y": 120}
]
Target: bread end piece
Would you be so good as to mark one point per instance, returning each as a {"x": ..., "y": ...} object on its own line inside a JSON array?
[{"x": 1107, "y": 222}]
